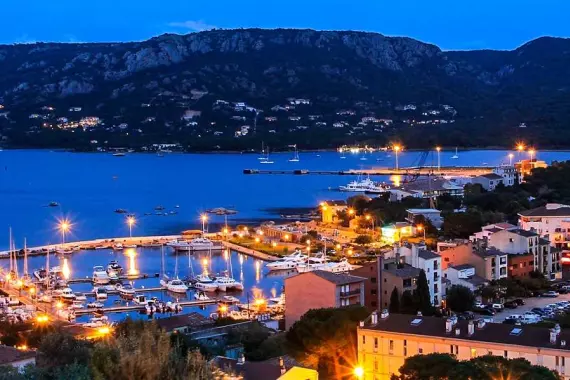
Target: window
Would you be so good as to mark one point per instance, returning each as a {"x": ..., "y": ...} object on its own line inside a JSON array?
[
  {"x": 391, "y": 344},
  {"x": 385, "y": 280},
  {"x": 451, "y": 349},
  {"x": 373, "y": 280},
  {"x": 376, "y": 343},
  {"x": 511, "y": 240},
  {"x": 373, "y": 303},
  {"x": 557, "y": 361},
  {"x": 563, "y": 360},
  {"x": 373, "y": 291},
  {"x": 363, "y": 339},
  {"x": 506, "y": 354},
  {"x": 420, "y": 350},
  {"x": 489, "y": 352},
  {"x": 473, "y": 352},
  {"x": 375, "y": 365}
]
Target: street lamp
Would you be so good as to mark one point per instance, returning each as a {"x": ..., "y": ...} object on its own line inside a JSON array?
[
  {"x": 370, "y": 219},
  {"x": 64, "y": 227},
  {"x": 204, "y": 219},
  {"x": 421, "y": 228},
  {"x": 358, "y": 372},
  {"x": 438, "y": 148},
  {"x": 520, "y": 148},
  {"x": 350, "y": 211},
  {"x": 531, "y": 151},
  {"x": 511, "y": 159},
  {"x": 397, "y": 149},
  {"x": 131, "y": 221}
]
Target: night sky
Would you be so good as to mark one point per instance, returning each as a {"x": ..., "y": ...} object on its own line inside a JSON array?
[{"x": 467, "y": 24}]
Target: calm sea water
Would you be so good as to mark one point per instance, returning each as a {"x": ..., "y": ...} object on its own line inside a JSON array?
[{"x": 89, "y": 187}]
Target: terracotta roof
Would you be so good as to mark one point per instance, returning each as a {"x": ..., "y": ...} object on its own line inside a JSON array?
[
  {"x": 491, "y": 332},
  {"x": 10, "y": 355},
  {"x": 337, "y": 278},
  {"x": 543, "y": 211}
]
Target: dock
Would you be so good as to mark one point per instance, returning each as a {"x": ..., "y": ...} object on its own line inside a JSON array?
[
  {"x": 250, "y": 252},
  {"x": 88, "y": 280},
  {"x": 422, "y": 171},
  {"x": 122, "y": 309}
]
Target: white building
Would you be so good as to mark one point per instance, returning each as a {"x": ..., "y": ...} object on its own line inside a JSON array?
[
  {"x": 488, "y": 181},
  {"x": 490, "y": 229},
  {"x": 464, "y": 275},
  {"x": 433, "y": 215},
  {"x": 508, "y": 173},
  {"x": 551, "y": 222}
]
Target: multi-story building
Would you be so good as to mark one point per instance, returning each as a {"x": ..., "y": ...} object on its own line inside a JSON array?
[
  {"x": 400, "y": 276},
  {"x": 525, "y": 167},
  {"x": 464, "y": 275},
  {"x": 433, "y": 215},
  {"x": 454, "y": 252},
  {"x": 385, "y": 341},
  {"x": 421, "y": 258},
  {"x": 372, "y": 273},
  {"x": 329, "y": 210},
  {"x": 490, "y": 229},
  {"x": 508, "y": 173},
  {"x": 519, "y": 241},
  {"x": 520, "y": 266},
  {"x": 320, "y": 289},
  {"x": 551, "y": 222},
  {"x": 488, "y": 181},
  {"x": 490, "y": 264}
]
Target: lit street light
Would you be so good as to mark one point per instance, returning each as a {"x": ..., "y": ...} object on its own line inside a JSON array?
[
  {"x": 131, "y": 221},
  {"x": 64, "y": 227},
  {"x": 532, "y": 152},
  {"x": 421, "y": 228},
  {"x": 350, "y": 211},
  {"x": 370, "y": 219},
  {"x": 397, "y": 149},
  {"x": 204, "y": 219},
  {"x": 511, "y": 159},
  {"x": 359, "y": 372},
  {"x": 438, "y": 148}
]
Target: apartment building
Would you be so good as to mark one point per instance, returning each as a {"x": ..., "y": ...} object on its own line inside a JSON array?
[
  {"x": 320, "y": 289},
  {"x": 490, "y": 229},
  {"x": 400, "y": 276},
  {"x": 386, "y": 340},
  {"x": 372, "y": 273},
  {"x": 464, "y": 275},
  {"x": 520, "y": 266},
  {"x": 551, "y": 221},
  {"x": 519, "y": 241},
  {"x": 490, "y": 263}
]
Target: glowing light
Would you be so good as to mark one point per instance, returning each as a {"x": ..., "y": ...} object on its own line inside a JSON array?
[
  {"x": 240, "y": 259},
  {"x": 205, "y": 262},
  {"x": 420, "y": 227},
  {"x": 350, "y": 211},
  {"x": 223, "y": 309},
  {"x": 350, "y": 252},
  {"x": 438, "y": 148},
  {"x": 65, "y": 269},
  {"x": 41, "y": 319},
  {"x": 396, "y": 179},
  {"x": 325, "y": 208},
  {"x": 359, "y": 372},
  {"x": 225, "y": 231},
  {"x": 59, "y": 304},
  {"x": 19, "y": 283},
  {"x": 308, "y": 242},
  {"x": 64, "y": 225},
  {"x": 259, "y": 232},
  {"x": 338, "y": 246},
  {"x": 23, "y": 347},
  {"x": 259, "y": 302},
  {"x": 204, "y": 218},
  {"x": 397, "y": 148},
  {"x": 257, "y": 240},
  {"x": 131, "y": 220},
  {"x": 8, "y": 277},
  {"x": 520, "y": 147},
  {"x": 226, "y": 254},
  {"x": 32, "y": 290},
  {"x": 132, "y": 270},
  {"x": 367, "y": 217},
  {"x": 286, "y": 237},
  {"x": 103, "y": 330},
  {"x": 274, "y": 244}
]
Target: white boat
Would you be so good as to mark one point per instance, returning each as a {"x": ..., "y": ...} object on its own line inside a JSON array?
[
  {"x": 266, "y": 160},
  {"x": 97, "y": 322},
  {"x": 127, "y": 291},
  {"x": 205, "y": 283},
  {"x": 100, "y": 276},
  {"x": 77, "y": 305},
  {"x": 323, "y": 264},
  {"x": 117, "y": 247},
  {"x": 198, "y": 244},
  {"x": 80, "y": 297},
  {"x": 114, "y": 267},
  {"x": 227, "y": 283},
  {"x": 362, "y": 186},
  {"x": 140, "y": 299},
  {"x": 119, "y": 154},
  {"x": 95, "y": 305},
  {"x": 288, "y": 262},
  {"x": 455, "y": 156},
  {"x": 201, "y": 296},
  {"x": 67, "y": 294},
  {"x": 295, "y": 155},
  {"x": 230, "y": 299},
  {"x": 100, "y": 293},
  {"x": 174, "y": 285}
]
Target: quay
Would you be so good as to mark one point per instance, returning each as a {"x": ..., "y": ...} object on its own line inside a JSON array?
[
  {"x": 249, "y": 251},
  {"x": 121, "y": 309},
  {"x": 422, "y": 171},
  {"x": 125, "y": 278}
]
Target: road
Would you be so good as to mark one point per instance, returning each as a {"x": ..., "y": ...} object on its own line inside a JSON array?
[{"x": 529, "y": 304}]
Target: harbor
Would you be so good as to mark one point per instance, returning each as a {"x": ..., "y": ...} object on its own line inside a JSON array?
[{"x": 422, "y": 171}]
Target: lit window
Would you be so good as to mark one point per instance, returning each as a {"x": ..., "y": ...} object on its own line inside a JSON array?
[{"x": 473, "y": 352}]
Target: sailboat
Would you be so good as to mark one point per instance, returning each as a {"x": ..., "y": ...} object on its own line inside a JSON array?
[
  {"x": 455, "y": 156},
  {"x": 266, "y": 160},
  {"x": 26, "y": 278},
  {"x": 204, "y": 282},
  {"x": 295, "y": 155},
  {"x": 227, "y": 281},
  {"x": 175, "y": 285}
]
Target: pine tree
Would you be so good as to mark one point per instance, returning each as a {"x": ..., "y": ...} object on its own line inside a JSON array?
[
  {"x": 407, "y": 303},
  {"x": 422, "y": 297},
  {"x": 395, "y": 301}
]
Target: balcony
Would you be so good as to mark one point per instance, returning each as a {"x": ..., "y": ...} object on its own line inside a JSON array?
[{"x": 350, "y": 293}]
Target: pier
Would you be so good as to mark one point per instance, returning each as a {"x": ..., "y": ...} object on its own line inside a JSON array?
[
  {"x": 422, "y": 171},
  {"x": 250, "y": 252},
  {"x": 122, "y": 309}
]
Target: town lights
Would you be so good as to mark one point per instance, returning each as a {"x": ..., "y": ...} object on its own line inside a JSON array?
[
  {"x": 131, "y": 221},
  {"x": 350, "y": 211},
  {"x": 531, "y": 152},
  {"x": 204, "y": 219},
  {"x": 511, "y": 159},
  {"x": 64, "y": 226},
  {"x": 41, "y": 319},
  {"x": 397, "y": 149},
  {"x": 358, "y": 372},
  {"x": 419, "y": 227},
  {"x": 438, "y": 149}
]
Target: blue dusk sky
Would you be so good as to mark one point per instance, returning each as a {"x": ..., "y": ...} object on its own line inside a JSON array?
[{"x": 457, "y": 24}]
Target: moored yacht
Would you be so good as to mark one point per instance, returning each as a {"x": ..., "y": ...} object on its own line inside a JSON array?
[
  {"x": 227, "y": 283},
  {"x": 114, "y": 267},
  {"x": 198, "y": 244},
  {"x": 205, "y": 283},
  {"x": 362, "y": 186},
  {"x": 127, "y": 291},
  {"x": 287, "y": 262},
  {"x": 174, "y": 285},
  {"x": 313, "y": 263},
  {"x": 100, "y": 276}
]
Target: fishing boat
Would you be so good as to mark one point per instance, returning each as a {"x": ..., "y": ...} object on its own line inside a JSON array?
[
  {"x": 295, "y": 155},
  {"x": 100, "y": 275},
  {"x": 456, "y": 155},
  {"x": 140, "y": 299}
]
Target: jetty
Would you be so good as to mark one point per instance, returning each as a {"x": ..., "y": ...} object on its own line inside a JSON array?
[
  {"x": 250, "y": 252},
  {"x": 422, "y": 171},
  {"x": 127, "y": 308}
]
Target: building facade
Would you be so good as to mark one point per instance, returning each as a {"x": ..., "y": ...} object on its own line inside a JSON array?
[
  {"x": 520, "y": 266},
  {"x": 551, "y": 222},
  {"x": 320, "y": 289},
  {"x": 371, "y": 272},
  {"x": 385, "y": 341},
  {"x": 400, "y": 276},
  {"x": 488, "y": 181}
]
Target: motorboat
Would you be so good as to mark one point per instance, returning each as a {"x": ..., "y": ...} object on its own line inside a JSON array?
[
  {"x": 174, "y": 285},
  {"x": 127, "y": 291},
  {"x": 80, "y": 297},
  {"x": 77, "y": 305},
  {"x": 53, "y": 204},
  {"x": 114, "y": 267},
  {"x": 287, "y": 262},
  {"x": 324, "y": 265},
  {"x": 67, "y": 294},
  {"x": 227, "y": 283},
  {"x": 119, "y": 154},
  {"x": 100, "y": 275},
  {"x": 313, "y": 263},
  {"x": 64, "y": 251},
  {"x": 198, "y": 244},
  {"x": 95, "y": 305},
  {"x": 101, "y": 293},
  {"x": 140, "y": 299},
  {"x": 97, "y": 322},
  {"x": 205, "y": 283},
  {"x": 362, "y": 186},
  {"x": 117, "y": 247},
  {"x": 201, "y": 296},
  {"x": 230, "y": 299},
  {"x": 42, "y": 274}
]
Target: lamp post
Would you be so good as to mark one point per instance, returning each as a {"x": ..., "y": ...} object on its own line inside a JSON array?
[
  {"x": 64, "y": 227},
  {"x": 438, "y": 148},
  {"x": 421, "y": 228},
  {"x": 397, "y": 149},
  {"x": 370, "y": 219},
  {"x": 511, "y": 159},
  {"x": 531, "y": 152},
  {"x": 520, "y": 148},
  {"x": 204, "y": 219},
  {"x": 131, "y": 221}
]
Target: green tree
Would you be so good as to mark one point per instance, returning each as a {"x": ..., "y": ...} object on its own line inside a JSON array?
[
  {"x": 363, "y": 239},
  {"x": 422, "y": 297},
  {"x": 407, "y": 304},
  {"x": 59, "y": 349},
  {"x": 326, "y": 338},
  {"x": 394, "y": 301},
  {"x": 460, "y": 298},
  {"x": 462, "y": 224}
]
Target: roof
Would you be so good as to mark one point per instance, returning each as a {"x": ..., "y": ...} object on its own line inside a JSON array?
[
  {"x": 524, "y": 233},
  {"x": 249, "y": 370},
  {"x": 491, "y": 176},
  {"x": 504, "y": 226},
  {"x": 543, "y": 241},
  {"x": 405, "y": 272},
  {"x": 337, "y": 278},
  {"x": 489, "y": 252},
  {"x": 492, "y": 332},
  {"x": 431, "y": 184},
  {"x": 462, "y": 266},
  {"x": 493, "y": 230},
  {"x": 427, "y": 255},
  {"x": 423, "y": 210},
  {"x": 476, "y": 280},
  {"x": 192, "y": 319},
  {"x": 547, "y": 211},
  {"x": 10, "y": 355}
]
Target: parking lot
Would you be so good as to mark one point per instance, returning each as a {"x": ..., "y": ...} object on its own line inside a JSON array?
[{"x": 529, "y": 304}]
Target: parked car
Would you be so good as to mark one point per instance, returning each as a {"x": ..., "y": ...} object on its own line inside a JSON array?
[
  {"x": 511, "y": 304},
  {"x": 519, "y": 301},
  {"x": 498, "y": 306},
  {"x": 478, "y": 305},
  {"x": 467, "y": 316},
  {"x": 550, "y": 293},
  {"x": 539, "y": 311},
  {"x": 485, "y": 311},
  {"x": 509, "y": 321}
]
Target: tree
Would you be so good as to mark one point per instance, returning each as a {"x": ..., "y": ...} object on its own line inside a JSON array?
[
  {"x": 422, "y": 297},
  {"x": 407, "y": 305},
  {"x": 430, "y": 366},
  {"x": 460, "y": 298},
  {"x": 363, "y": 239},
  {"x": 462, "y": 224},
  {"x": 59, "y": 349},
  {"x": 326, "y": 338},
  {"x": 395, "y": 301}
]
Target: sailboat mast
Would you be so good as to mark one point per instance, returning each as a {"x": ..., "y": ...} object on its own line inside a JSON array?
[
  {"x": 25, "y": 258},
  {"x": 162, "y": 260},
  {"x": 10, "y": 249},
  {"x": 176, "y": 266},
  {"x": 47, "y": 270}
]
